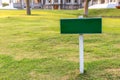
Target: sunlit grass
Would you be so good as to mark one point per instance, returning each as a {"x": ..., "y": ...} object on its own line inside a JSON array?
[{"x": 32, "y": 48}]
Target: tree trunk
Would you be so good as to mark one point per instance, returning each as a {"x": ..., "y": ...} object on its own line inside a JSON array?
[
  {"x": 86, "y": 7},
  {"x": 28, "y": 11}
]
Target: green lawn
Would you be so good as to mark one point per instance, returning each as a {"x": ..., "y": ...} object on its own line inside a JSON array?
[{"x": 32, "y": 48}]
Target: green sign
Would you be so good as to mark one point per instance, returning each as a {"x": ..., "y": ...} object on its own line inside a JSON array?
[{"x": 81, "y": 26}]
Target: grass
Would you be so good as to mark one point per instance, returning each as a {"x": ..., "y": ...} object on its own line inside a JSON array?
[{"x": 32, "y": 48}]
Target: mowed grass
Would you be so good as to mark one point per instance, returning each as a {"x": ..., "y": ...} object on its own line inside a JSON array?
[{"x": 32, "y": 48}]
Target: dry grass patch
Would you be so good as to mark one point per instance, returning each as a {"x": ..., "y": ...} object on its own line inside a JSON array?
[
  {"x": 117, "y": 45},
  {"x": 115, "y": 72},
  {"x": 37, "y": 76}
]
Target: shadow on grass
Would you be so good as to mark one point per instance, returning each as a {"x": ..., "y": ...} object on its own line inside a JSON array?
[{"x": 79, "y": 76}]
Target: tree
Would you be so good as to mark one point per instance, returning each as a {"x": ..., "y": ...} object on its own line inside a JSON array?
[
  {"x": 28, "y": 11},
  {"x": 86, "y": 7}
]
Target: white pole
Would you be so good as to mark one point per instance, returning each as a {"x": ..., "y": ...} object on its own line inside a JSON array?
[{"x": 81, "y": 53}]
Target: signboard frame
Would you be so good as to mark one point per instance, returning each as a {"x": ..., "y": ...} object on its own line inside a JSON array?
[{"x": 81, "y": 26}]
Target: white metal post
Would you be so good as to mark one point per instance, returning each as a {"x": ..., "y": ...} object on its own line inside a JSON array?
[{"x": 81, "y": 53}]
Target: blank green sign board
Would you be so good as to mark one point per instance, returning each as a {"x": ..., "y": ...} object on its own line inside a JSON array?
[{"x": 81, "y": 26}]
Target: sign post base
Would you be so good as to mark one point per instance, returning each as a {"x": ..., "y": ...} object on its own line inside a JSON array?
[{"x": 81, "y": 53}]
